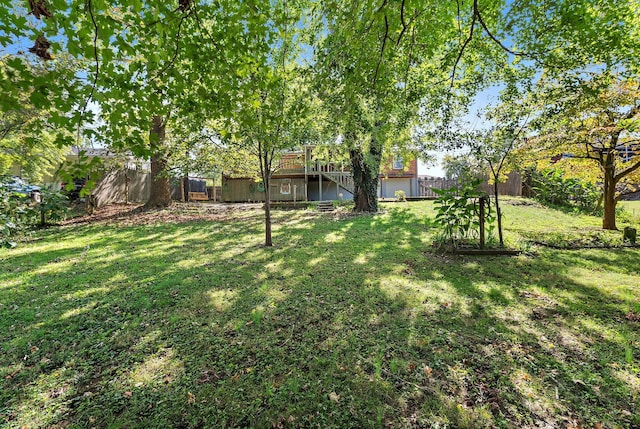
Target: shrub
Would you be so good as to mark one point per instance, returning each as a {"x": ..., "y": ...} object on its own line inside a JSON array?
[
  {"x": 553, "y": 189},
  {"x": 52, "y": 207},
  {"x": 15, "y": 215},
  {"x": 18, "y": 213},
  {"x": 458, "y": 212},
  {"x": 400, "y": 195}
]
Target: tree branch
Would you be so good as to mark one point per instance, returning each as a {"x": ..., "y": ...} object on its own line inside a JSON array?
[
  {"x": 409, "y": 58},
  {"x": 176, "y": 50},
  {"x": 633, "y": 112},
  {"x": 476, "y": 12},
  {"x": 203, "y": 28},
  {"x": 459, "y": 20},
  {"x": 384, "y": 43},
  {"x": 464, "y": 46},
  {"x": 626, "y": 171},
  {"x": 97, "y": 61},
  {"x": 404, "y": 24}
]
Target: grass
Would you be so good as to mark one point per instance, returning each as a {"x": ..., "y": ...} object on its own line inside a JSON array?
[
  {"x": 632, "y": 210},
  {"x": 346, "y": 322}
]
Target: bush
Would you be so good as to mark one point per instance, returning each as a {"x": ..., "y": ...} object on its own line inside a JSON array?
[
  {"x": 18, "y": 213},
  {"x": 52, "y": 207},
  {"x": 15, "y": 212},
  {"x": 400, "y": 195},
  {"x": 458, "y": 213},
  {"x": 553, "y": 189}
]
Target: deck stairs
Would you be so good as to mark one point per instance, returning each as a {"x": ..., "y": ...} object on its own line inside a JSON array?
[
  {"x": 344, "y": 179},
  {"x": 325, "y": 206}
]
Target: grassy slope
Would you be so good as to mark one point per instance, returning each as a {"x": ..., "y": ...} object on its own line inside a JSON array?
[{"x": 345, "y": 323}]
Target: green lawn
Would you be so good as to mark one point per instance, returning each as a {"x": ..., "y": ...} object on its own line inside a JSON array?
[
  {"x": 346, "y": 322},
  {"x": 632, "y": 208}
]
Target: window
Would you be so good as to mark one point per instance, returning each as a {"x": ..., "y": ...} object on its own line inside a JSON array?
[
  {"x": 285, "y": 188},
  {"x": 398, "y": 163}
]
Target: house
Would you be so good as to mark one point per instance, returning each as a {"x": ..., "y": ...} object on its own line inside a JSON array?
[
  {"x": 300, "y": 177},
  {"x": 399, "y": 175}
]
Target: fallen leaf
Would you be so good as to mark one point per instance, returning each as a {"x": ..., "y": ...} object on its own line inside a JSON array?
[
  {"x": 191, "y": 398},
  {"x": 427, "y": 370},
  {"x": 634, "y": 317},
  {"x": 13, "y": 374},
  {"x": 128, "y": 394},
  {"x": 334, "y": 397}
]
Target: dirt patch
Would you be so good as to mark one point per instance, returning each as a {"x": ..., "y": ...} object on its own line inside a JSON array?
[{"x": 137, "y": 214}]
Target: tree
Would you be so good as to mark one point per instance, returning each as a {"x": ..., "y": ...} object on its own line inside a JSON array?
[
  {"x": 30, "y": 137},
  {"x": 145, "y": 62},
  {"x": 494, "y": 146},
  {"x": 490, "y": 148},
  {"x": 594, "y": 121},
  {"x": 461, "y": 167},
  {"x": 160, "y": 192},
  {"x": 385, "y": 64},
  {"x": 270, "y": 103},
  {"x": 358, "y": 79}
]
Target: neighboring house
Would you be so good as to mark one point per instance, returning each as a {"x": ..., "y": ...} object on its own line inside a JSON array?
[
  {"x": 399, "y": 175},
  {"x": 300, "y": 177}
]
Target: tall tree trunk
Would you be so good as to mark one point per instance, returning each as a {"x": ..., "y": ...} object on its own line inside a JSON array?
[
  {"x": 266, "y": 158},
  {"x": 267, "y": 212},
  {"x": 160, "y": 195},
  {"x": 609, "y": 197},
  {"x": 365, "y": 168},
  {"x": 498, "y": 210}
]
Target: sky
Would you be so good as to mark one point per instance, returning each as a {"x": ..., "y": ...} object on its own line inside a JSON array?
[
  {"x": 483, "y": 100},
  {"x": 432, "y": 168}
]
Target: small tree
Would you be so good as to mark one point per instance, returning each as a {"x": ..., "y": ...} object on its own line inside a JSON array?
[
  {"x": 270, "y": 107},
  {"x": 490, "y": 149},
  {"x": 494, "y": 147},
  {"x": 461, "y": 167},
  {"x": 592, "y": 122}
]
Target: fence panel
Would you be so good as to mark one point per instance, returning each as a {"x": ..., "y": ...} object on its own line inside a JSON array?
[
  {"x": 512, "y": 187},
  {"x": 426, "y": 186},
  {"x": 123, "y": 185}
]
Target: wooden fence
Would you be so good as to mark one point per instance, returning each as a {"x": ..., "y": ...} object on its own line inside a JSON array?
[
  {"x": 426, "y": 186},
  {"x": 512, "y": 187},
  {"x": 122, "y": 186}
]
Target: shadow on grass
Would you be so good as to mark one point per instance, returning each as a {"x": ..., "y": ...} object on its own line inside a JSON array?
[{"x": 345, "y": 323}]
